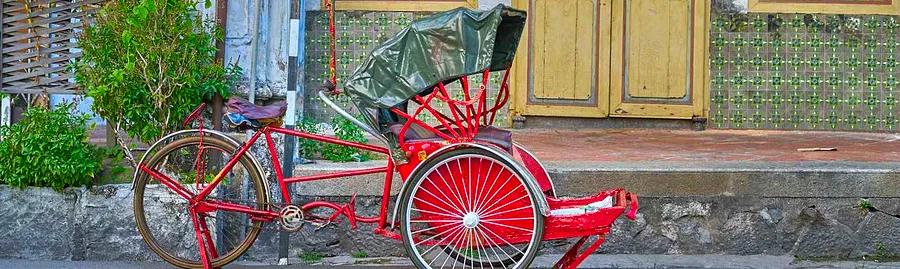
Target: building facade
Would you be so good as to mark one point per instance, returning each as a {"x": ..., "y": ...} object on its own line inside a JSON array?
[{"x": 729, "y": 64}]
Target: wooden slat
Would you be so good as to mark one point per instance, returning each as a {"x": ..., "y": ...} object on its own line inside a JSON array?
[
  {"x": 30, "y": 45},
  {"x": 41, "y": 62},
  {"x": 37, "y": 40},
  {"x": 37, "y": 11},
  {"x": 44, "y": 52},
  {"x": 658, "y": 46}
]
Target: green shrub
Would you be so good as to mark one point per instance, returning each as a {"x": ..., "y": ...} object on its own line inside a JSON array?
[
  {"x": 48, "y": 148},
  {"x": 309, "y": 148},
  {"x": 148, "y": 63},
  {"x": 343, "y": 129}
]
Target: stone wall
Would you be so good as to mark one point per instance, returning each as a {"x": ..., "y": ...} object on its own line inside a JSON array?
[{"x": 97, "y": 224}]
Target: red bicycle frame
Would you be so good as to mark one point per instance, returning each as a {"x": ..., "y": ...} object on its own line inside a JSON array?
[{"x": 200, "y": 204}]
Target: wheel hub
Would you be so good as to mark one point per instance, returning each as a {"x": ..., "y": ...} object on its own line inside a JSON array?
[{"x": 471, "y": 220}]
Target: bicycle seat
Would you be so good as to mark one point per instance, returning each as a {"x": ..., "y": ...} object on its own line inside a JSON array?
[{"x": 269, "y": 113}]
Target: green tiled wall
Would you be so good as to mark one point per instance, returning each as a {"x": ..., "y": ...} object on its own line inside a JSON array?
[
  {"x": 767, "y": 71},
  {"x": 804, "y": 71}
]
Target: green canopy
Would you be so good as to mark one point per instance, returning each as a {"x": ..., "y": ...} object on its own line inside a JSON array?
[{"x": 441, "y": 47}]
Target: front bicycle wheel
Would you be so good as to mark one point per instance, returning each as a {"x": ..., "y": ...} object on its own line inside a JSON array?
[
  {"x": 163, "y": 218},
  {"x": 470, "y": 208}
]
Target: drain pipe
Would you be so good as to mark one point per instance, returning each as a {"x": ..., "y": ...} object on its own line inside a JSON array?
[{"x": 254, "y": 39}]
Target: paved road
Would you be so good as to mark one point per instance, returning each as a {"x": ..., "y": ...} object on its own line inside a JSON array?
[{"x": 593, "y": 262}]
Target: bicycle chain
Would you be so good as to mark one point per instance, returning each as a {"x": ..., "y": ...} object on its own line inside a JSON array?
[{"x": 276, "y": 207}]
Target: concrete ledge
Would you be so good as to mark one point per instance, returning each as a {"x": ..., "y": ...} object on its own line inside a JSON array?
[
  {"x": 677, "y": 179},
  {"x": 668, "y": 179}
]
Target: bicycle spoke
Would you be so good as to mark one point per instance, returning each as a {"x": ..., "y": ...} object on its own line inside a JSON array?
[
  {"x": 508, "y": 211},
  {"x": 491, "y": 212},
  {"x": 509, "y": 219},
  {"x": 454, "y": 189},
  {"x": 448, "y": 211},
  {"x": 470, "y": 192},
  {"x": 483, "y": 184},
  {"x": 507, "y": 226},
  {"x": 496, "y": 191},
  {"x": 504, "y": 241},
  {"x": 451, "y": 237},
  {"x": 453, "y": 233},
  {"x": 436, "y": 213},
  {"x": 495, "y": 251},
  {"x": 464, "y": 192},
  {"x": 503, "y": 198},
  {"x": 447, "y": 202},
  {"x": 478, "y": 248},
  {"x": 432, "y": 228},
  {"x": 448, "y": 255}
]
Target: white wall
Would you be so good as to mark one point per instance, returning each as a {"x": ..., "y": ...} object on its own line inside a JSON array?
[{"x": 272, "y": 49}]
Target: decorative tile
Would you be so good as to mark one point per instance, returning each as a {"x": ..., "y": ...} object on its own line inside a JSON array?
[{"x": 804, "y": 71}]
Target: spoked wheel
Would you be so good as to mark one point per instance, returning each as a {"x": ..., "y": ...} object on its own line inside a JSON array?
[
  {"x": 165, "y": 220},
  {"x": 469, "y": 208}
]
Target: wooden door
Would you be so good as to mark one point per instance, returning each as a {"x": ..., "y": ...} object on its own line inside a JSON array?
[
  {"x": 657, "y": 50},
  {"x": 562, "y": 66}
]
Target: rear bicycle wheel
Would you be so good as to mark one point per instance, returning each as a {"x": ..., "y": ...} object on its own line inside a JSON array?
[
  {"x": 163, "y": 218},
  {"x": 470, "y": 208}
]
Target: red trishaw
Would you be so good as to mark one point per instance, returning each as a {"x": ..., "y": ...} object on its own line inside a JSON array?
[{"x": 471, "y": 197}]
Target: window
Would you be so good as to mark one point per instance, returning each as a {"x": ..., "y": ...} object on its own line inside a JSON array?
[
  {"x": 885, "y": 7},
  {"x": 403, "y": 5}
]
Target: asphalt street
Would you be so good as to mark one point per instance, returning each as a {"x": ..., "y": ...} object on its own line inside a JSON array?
[{"x": 593, "y": 262}]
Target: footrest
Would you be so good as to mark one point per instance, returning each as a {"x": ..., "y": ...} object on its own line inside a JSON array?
[
  {"x": 583, "y": 209},
  {"x": 587, "y": 216}
]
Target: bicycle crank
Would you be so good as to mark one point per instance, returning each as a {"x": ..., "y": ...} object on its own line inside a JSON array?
[{"x": 292, "y": 218}]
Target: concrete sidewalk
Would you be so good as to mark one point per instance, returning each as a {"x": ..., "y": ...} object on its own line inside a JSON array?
[
  {"x": 593, "y": 262},
  {"x": 655, "y": 145}
]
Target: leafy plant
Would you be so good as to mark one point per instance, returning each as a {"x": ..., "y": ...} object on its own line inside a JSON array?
[
  {"x": 309, "y": 147},
  {"x": 360, "y": 254},
  {"x": 865, "y": 206},
  {"x": 113, "y": 170},
  {"x": 48, "y": 148},
  {"x": 148, "y": 63},
  {"x": 311, "y": 257},
  {"x": 344, "y": 129}
]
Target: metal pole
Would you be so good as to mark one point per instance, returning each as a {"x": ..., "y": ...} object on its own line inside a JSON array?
[{"x": 290, "y": 118}]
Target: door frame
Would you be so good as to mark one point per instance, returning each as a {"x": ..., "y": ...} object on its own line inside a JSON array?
[
  {"x": 698, "y": 69},
  {"x": 606, "y": 80},
  {"x": 520, "y": 85}
]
